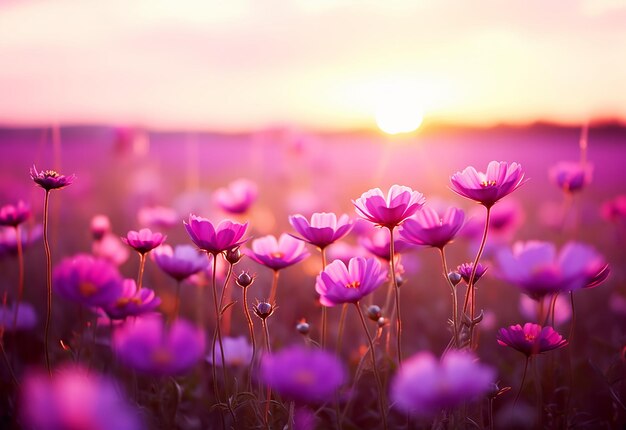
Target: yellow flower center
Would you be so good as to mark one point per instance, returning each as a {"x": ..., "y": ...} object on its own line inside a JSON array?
[
  {"x": 304, "y": 377},
  {"x": 277, "y": 254},
  {"x": 87, "y": 289},
  {"x": 124, "y": 301},
  {"x": 353, "y": 284},
  {"x": 50, "y": 174},
  {"x": 530, "y": 337},
  {"x": 486, "y": 183}
]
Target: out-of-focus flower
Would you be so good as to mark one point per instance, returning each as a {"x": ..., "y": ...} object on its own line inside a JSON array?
[
  {"x": 344, "y": 251},
  {"x": 148, "y": 345},
  {"x": 75, "y": 398},
  {"x": 8, "y": 238},
  {"x": 303, "y": 374},
  {"x": 614, "y": 210},
  {"x": 144, "y": 240},
  {"x": 100, "y": 226},
  {"x": 377, "y": 243},
  {"x": 531, "y": 339},
  {"x": 111, "y": 248},
  {"x": 571, "y": 176},
  {"x": 237, "y": 352},
  {"x": 323, "y": 229},
  {"x": 400, "y": 203},
  {"x": 50, "y": 180},
  {"x": 14, "y": 215},
  {"x": 214, "y": 240},
  {"x": 26, "y": 317},
  {"x": 538, "y": 270},
  {"x": 504, "y": 220},
  {"x": 180, "y": 262},
  {"x": 428, "y": 228},
  {"x": 562, "y": 310},
  {"x": 500, "y": 179},
  {"x": 237, "y": 197},
  {"x": 158, "y": 217},
  {"x": 338, "y": 284},
  {"x": 132, "y": 302},
  {"x": 425, "y": 385},
  {"x": 277, "y": 254},
  {"x": 465, "y": 270}
]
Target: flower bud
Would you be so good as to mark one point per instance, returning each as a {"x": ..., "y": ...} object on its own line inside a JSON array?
[
  {"x": 233, "y": 255},
  {"x": 374, "y": 312},
  {"x": 455, "y": 278},
  {"x": 263, "y": 310},
  {"x": 244, "y": 279},
  {"x": 303, "y": 327},
  {"x": 382, "y": 321}
]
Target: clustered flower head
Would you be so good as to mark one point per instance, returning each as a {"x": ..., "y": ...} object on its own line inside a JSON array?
[
  {"x": 389, "y": 211},
  {"x": 530, "y": 339},
  {"x": 429, "y": 228},
  {"x": 144, "y": 240},
  {"x": 500, "y": 179},
  {"x": 14, "y": 215},
  {"x": 277, "y": 254},
  {"x": 180, "y": 262},
  {"x": 50, "y": 180},
  {"x": 215, "y": 239},
  {"x": 338, "y": 284},
  {"x": 323, "y": 229}
]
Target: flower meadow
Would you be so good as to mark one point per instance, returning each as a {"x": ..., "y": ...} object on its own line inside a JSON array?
[{"x": 280, "y": 283}]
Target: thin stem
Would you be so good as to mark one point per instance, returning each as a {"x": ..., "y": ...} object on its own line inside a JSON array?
[
  {"x": 491, "y": 414},
  {"x": 538, "y": 393},
  {"x": 274, "y": 287},
  {"x": 246, "y": 311},
  {"x": 20, "y": 264},
  {"x": 46, "y": 245},
  {"x": 522, "y": 383},
  {"x": 381, "y": 393},
  {"x": 142, "y": 264},
  {"x": 7, "y": 362},
  {"x": 455, "y": 305},
  {"x": 218, "y": 331},
  {"x": 177, "y": 303},
  {"x": 266, "y": 334},
  {"x": 397, "y": 294},
  {"x": 324, "y": 308},
  {"x": 571, "y": 327},
  {"x": 224, "y": 296},
  {"x": 342, "y": 321}
]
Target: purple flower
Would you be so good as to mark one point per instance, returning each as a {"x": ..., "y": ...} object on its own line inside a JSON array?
[
  {"x": 8, "y": 238},
  {"x": 50, "y": 180},
  {"x": 531, "y": 339},
  {"x": 570, "y": 176},
  {"x": 214, "y": 240},
  {"x": 88, "y": 280},
  {"x": 237, "y": 197},
  {"x": 149, "y": 346},
  {"x": 401, "y": 202},
  {"x": 504, "y": 220},
  {"x": 14, "y": 215},
  {"x": 180, "y": 262},
  {"x": 75, "y": 398},
  {"x": 429, "y": 228},
  {"x": 277, "y": 254},
  {"x": 425, "y": 385},
  {"x": 110, "y": 248},
  {"x": 538, "y": 270},
  {"x": 487, "y": 188},
  {"x": 237, "y": 352},
  {"x": 529, "y": 308},
  {"x": 339, "y": 284},
  {"x": 132, "y": 302},
  {"x": 465, "y": 270},
  {"x": 323, "y": 229},
  {"x": 303, "y": 374},
  {"x": 144, "y": 240},
  {"x": 377, "y": 243},
  {"x": 26, "y": 317}
]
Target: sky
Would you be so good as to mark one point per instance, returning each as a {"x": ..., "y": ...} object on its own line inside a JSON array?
[{"x": 239, "y": 65}]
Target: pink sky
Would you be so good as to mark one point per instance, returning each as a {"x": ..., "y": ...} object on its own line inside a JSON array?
[{"x": 243, "y": 64}]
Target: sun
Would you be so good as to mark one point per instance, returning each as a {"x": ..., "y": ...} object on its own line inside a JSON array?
[{"x": 398, "y": 113}]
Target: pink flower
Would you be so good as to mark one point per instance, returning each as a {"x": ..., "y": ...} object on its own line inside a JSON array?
[
  {"x": 429, "y": 228},
  {"x": 277, "y": 254},
  {"x": 100, "y": 225},
  {"x": 50, "y": 180},
  {"x": 401, "y": 202},
  {"x": 158, "y": 217},
  {"x": 132, "y": 302},
  {"x": 465, "y": 270},
  {"x": 237, "y": 197},
  {"x": 180, "y": 262},
  {"x": 571, "y": 176},
  {"x": 144, "y": 240},
  {"x": 14, "y": 215},
  {"x": 214, "y": 240},
  {"x": 338, "y": 284},
  {"x": 377, "y": 243},
  {"x": 323, "y": 229},
  {"x": 487, "y": 188},
  {"x": 111, "y": 248},
  {"x": 531, "y": 339}
]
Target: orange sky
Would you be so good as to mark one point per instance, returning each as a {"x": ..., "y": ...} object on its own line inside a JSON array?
[{"x": 327, "y": 64}]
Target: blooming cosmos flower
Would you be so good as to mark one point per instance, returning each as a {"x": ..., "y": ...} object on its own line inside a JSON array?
[
  {"x": 487, "y": 188},
  {"x": 237, "y": 352},
  {"x": 50, "y": 180},
  {"x": 323, "y": 229},
  {"x": 531, "y": 339},
  {"x": 401, "y": 202},
  {"x": 529, "y": 308},
  {"x": 26, "y": 316},
  {"x": 75, "y": 398},
  {"x": 571, "y": 176},
  {"x": 465, "y": 270},
  {"x": 149, "y": 346},
  {"x": 303, "y": 374},
  {"x": 88, "y": 280},
  {"x": 377, "y": 243},
  {"x": 211, "y": 239},
  {"x": 428, "y": 228},
  {"x": 144, "y": 240},
  {"x": 111, "y": 248},
  {"x": 237, "y": 197},
  {"x": 338, "y": 284},
  {"x": 180, "y": 262},
  {"x": 277, "y": 254},
  {"x": 132, "y": 302},
  {"x": 8, "y": 238},
  {"x": 504, "y": 220},
  {"x": 425, "y": 385},
  {"x": 14, "y": 215},
  {"x": 538, "y": 270}
]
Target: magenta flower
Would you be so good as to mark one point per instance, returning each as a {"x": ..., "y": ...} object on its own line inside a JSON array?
[
  {"x": 339, "y": 284},
  {"x": 8, "y": 238},
  {"x": 26, "y": 317},
  {"x": 401, "y": 202},
  {"x": 111, "y": 248},
  {"x": 428, "y": 228},
  {"x": 504, "y": 220},
  {"x": 75, "y": 398},
  {"x": 149, "y": 346},
  {"x": 50, "y": 180},
  {"x": 570, "y": 176},
  {"x": 180, "y": 262},
  {"x": 487, "y": 188},
  {"x": 132, "y": 302},
  {"x": 302, "y": 374},
  {"x": 14, "y": 215},
  {"x": 531, "y": 339},
  {"x": 323, "y": 229},
  {"x": 538, "y": 270},
  {"x": 88, "y": 280},
  {"x": 237, "y": 197},
  {"x": 214, "y": 240},
  {"x": 144, "y": 240},
  {"x": 377, "y": 243},
  {"x": 277, "y": 254},
  {"x": 614, "y": 210},
  {"x": 158, "y": 217},
  {"x": 465, "y": 270},
  {"x": 237, "y": 352},
  {"x": 100, "y": 225},
  {"x": 425, "y": 385}
]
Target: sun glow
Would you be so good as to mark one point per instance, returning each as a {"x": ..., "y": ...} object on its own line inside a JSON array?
[{"x": 398, "y": 112}]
